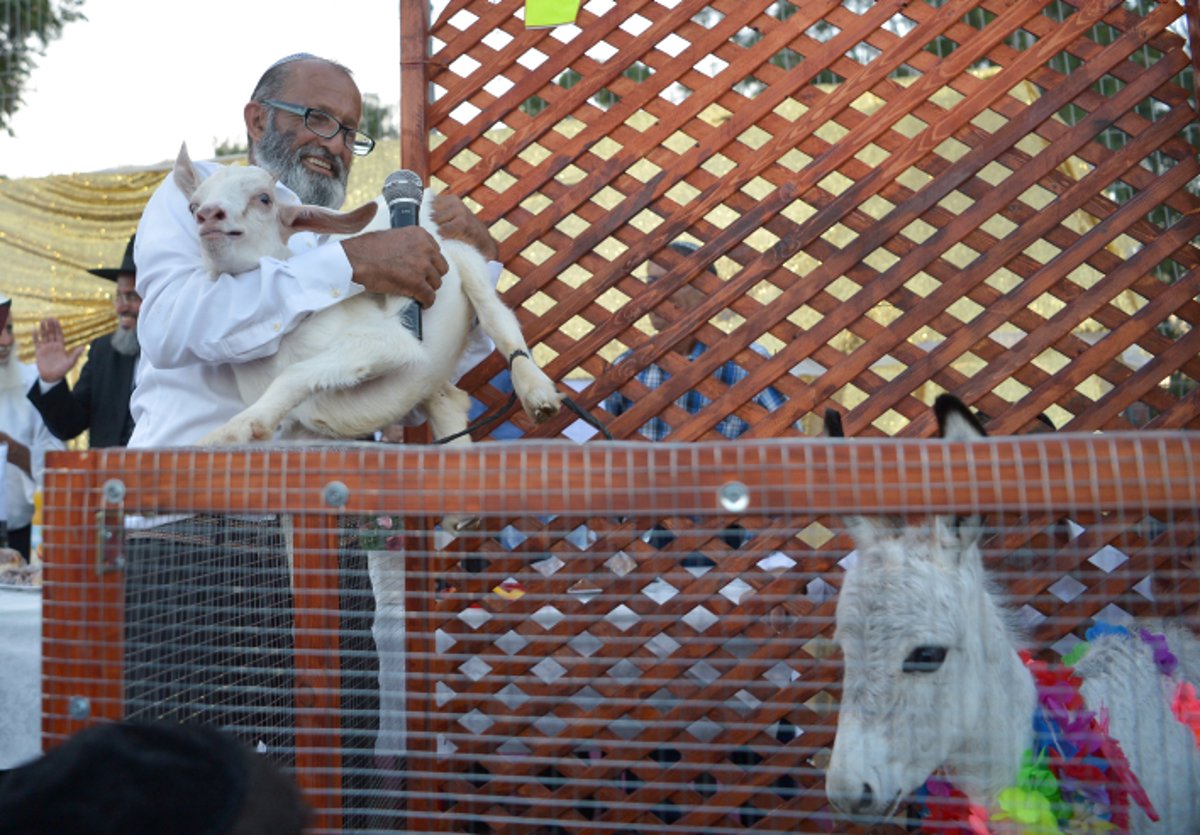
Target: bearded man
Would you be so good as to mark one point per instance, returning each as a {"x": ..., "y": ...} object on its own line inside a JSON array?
[
  {"x": 302, "y": 125},
  {"x": 24, "y": 437},
  {"x": 208, "y": 598},
  {"x": 99, "y": 403}
]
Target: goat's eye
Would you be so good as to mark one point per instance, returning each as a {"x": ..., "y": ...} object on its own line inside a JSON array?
[
  {"x": 192, "y": 208},
  {"x": 924, "y": 659},
  {"x": 265, "y": 199}
]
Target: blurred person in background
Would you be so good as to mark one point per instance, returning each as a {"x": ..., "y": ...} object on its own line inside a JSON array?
[
  {"x": 99, "y": 403},
  {"x": 653, "y": 375},
  {"x": 25, "y": 436}
]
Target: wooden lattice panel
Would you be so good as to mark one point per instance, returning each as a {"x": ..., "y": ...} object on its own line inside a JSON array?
[{"x": 898, "y": 198}]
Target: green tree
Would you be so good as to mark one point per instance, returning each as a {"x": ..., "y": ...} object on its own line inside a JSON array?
[
  {"x": 26, "y": 28},
  {"x": 378, "y": 120},
  {"x": 230, "y": 147}
]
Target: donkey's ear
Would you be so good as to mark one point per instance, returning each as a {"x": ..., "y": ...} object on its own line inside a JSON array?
[
  {"x": 958, "y": 423},
  {"x": 868, "y": 531},
  {"x": 960, "y": 537},
  {"x": 955, "y": 420},
  {"x": 833, "y": 424}
]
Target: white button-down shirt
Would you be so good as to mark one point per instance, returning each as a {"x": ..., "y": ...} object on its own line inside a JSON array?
[
  {"x": 192, "y": 327},
  {"x": 21, "y": 420}
]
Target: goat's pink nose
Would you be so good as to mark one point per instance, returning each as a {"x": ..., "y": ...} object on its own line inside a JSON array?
[{"x": 210, "y": 212}]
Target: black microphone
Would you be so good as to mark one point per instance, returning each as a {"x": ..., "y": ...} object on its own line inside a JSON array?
[{"x": 403, "y": 191}]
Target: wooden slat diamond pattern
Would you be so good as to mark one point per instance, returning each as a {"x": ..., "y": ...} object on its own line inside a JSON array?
[{"x": 898, "y": 198}]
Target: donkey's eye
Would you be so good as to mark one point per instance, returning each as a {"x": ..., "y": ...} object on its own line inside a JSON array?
[{"x": 924, "y": 659}]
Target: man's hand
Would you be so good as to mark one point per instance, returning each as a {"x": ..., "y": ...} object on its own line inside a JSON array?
[
  {"x": 50, "y": 347},
  {"x": 398, "y": 262},
  {"x": 18, "y": 453},
  {"x": 455, "y": 222}
]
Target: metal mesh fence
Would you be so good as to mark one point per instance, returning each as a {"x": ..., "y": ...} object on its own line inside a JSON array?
[{"x": 635, "y": 637}]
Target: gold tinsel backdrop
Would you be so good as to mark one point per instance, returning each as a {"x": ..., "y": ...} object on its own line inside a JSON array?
[{"x": 54, "y": 229}]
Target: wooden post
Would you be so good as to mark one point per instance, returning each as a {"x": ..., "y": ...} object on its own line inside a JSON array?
[
  {"x": 318, "y": 671},
  {"x": 414, "y": 96},
  {"x": 414, "y": 52}
]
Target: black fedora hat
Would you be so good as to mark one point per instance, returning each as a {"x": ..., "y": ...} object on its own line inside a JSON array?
[{"x": 127, "y": 265}]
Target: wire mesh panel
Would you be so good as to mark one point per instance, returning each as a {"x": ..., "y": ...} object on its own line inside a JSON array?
[
  {"x": 635, "y": 638},
  {"x": 891, "y": 199}
]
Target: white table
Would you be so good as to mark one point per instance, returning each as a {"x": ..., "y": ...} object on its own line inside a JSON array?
[{"x": 20, "y": 676}]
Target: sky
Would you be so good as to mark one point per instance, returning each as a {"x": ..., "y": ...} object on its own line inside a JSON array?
[{"x": 126, "y": 86}]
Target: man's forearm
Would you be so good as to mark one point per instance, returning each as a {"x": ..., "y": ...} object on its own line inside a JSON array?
[{"x": 18, "y": 453}]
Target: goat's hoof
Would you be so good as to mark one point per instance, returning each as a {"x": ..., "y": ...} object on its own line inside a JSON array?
[
  {"x": 259, "y": 431},
  {"x": 541, "y": 408},
  {"x": 544, "y": 412},
  {"x": 222, "y": 437},
  {"x": 460, "y": 524},
  {"x": 231, "y": 434}
]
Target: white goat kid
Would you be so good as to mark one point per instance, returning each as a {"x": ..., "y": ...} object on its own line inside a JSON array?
[
  {"x": 352, "y": 368},
  {"x": 933, "y": 683}
]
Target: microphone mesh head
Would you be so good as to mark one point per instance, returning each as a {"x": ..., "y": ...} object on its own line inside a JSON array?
[{"x": 402, "y": 185}]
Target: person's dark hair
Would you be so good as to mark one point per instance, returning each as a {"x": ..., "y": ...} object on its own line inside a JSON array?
[
  {"x": 689, "y": 248},
  {"x": 141, "y": 778}
]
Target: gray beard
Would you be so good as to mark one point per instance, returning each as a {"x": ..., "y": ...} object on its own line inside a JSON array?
[
  {"x": 274, "y": 152},
  {"x": 125, "y": 341}
]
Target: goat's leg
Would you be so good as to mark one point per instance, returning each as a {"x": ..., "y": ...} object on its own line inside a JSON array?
[
  {"x": 536, "y": 391},
  {"x": 447, "y": 410},
  {"x": 295, "y": 384}
]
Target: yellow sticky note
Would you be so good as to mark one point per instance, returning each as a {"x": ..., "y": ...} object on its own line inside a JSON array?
[{"x": 540, "y": 14}]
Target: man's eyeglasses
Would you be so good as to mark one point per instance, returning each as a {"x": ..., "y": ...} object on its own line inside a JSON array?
[{"x": 326, "y": 127}]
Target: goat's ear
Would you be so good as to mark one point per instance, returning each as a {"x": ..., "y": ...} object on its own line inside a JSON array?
[
  {"x": 833, "y": 424},
  {"x": 326, "y": 221},
  {"x": 955, "y": 420},
  {"x": 186, "y": 176}
]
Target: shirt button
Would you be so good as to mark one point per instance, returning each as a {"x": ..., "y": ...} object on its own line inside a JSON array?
[
  {"x": 278, "y": 326},
  {"x": 337, "y": 294}
]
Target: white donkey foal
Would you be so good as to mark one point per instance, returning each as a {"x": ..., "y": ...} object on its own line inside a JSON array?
[
  {"x": 352, "y": 368},
  {"x": 933, "y": 682}
]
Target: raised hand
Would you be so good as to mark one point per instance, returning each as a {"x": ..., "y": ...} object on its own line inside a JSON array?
[{"x": 50, "y": 350}]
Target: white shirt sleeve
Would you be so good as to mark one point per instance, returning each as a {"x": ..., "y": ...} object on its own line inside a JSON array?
[{"x": 190, "y": 317}]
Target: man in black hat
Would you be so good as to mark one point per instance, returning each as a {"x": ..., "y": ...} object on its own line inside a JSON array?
[{"x": 100, "y": 400}]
